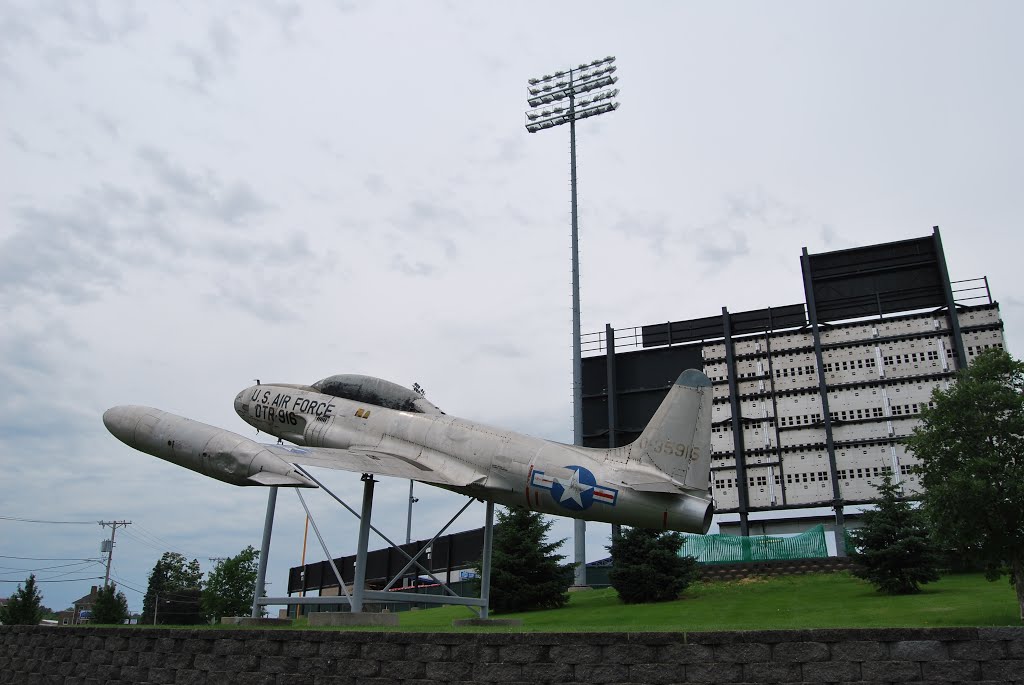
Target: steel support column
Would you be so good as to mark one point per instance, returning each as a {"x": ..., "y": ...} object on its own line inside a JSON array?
[
  {"x": 485, "y": 563},
  {"x": 775, "y": 404},
  {"x": 613, "y": 401},
  {"x": 737, "y": 424},
  {"x": 947, "y": 290},
  {"x": 261, "y": 573},
  {"x": 359, "y": 584},
  {"x": 837, "y": 497}
]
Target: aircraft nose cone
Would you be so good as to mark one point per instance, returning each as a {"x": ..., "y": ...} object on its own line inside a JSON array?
[
  {"x": 121, "y": 422},
  {"x": 241, "y": 406}
]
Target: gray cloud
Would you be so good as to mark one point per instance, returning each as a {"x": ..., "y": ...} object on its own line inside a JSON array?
[
  {"x": 206, "y": 194},
  {"x": 294, "y": 250},
  {"x": 201, "y": 65},
  {"x": 399, "y": 263},
  {"x": 273, "y": 306},
  {"x": 17, "y": 30},
  {"x": 828, "y": 235},
  {"x": 503, "y": 350},
  {"x": 284, "y": 14},
  {"x": 55, "y": 253},
  {"x": 376, "y": 184},
  {"x": 654, "y": 229},
  {"x": 104, "y": 24},
  {"x": 425, "y": 211},
  {"x": 722, "y": 248},
  {"x": 223, "y": 39}
]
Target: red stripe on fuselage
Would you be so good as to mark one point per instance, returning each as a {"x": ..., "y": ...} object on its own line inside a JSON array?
[{"x": 529, "y": 480}]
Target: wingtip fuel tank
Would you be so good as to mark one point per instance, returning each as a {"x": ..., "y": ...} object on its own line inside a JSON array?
[{"x": 202, "y": 448}]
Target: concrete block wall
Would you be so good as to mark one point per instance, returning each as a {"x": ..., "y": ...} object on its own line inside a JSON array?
[{"x": 69, "y": 656}]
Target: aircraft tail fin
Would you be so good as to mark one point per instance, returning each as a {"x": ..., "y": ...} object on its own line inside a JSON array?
[{"x": 677, "y": 441}]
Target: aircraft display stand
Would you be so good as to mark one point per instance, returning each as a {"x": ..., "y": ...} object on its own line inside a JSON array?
[{"x": 359, "y": 595}]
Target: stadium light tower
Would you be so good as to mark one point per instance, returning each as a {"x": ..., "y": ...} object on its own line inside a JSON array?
[{"x": 565, "y": 97}]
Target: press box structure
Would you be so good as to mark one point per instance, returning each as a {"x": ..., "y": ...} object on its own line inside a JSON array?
[{"x": 811, "y": 400}]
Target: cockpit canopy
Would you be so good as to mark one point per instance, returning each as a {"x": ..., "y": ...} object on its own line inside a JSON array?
[{"x": 376, "y": 391}]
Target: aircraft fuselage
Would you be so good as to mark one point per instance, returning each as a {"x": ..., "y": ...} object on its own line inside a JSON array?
[{"x": 508, "y": 468}]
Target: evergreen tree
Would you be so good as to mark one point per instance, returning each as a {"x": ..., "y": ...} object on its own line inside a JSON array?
[
  {"x": 230, "y": 586},
  {"x": 893, "y": 548},
  {"x": 174, "y": 590},
  {"x": 111, "y": 607},
  {"x": 24, "y": 607},
  {"x": 647, "y": 566},
  {"x": 525, "y": 571},
  {"x": 971, "y": 451}
]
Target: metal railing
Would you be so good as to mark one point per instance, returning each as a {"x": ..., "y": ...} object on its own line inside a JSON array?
[{"x": 970, "y": 292}]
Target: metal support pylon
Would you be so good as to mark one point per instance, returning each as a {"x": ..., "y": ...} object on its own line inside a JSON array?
[
  {"x": 359, "y": 586},
  {"x": 261, "y": 574}
]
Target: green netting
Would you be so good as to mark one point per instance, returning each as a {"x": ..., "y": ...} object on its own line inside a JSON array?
[{"x": 725, "y": 549}]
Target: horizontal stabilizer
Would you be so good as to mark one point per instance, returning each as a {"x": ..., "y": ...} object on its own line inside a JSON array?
[
  {"x": 289, "y": 481},
  {"x": 646, "y": 482}
]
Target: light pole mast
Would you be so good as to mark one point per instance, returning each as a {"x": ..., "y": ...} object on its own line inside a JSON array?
[{"x": 546, "y": 95}]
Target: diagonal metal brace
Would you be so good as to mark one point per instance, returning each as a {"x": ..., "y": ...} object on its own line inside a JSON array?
[
  {"x": 388, "y": 540},
  {"x": 323, "y": 545}
]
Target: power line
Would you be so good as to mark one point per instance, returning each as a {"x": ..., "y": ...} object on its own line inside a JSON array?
[
  {"x": 5, "y": 556},
  {"x": 63, "y": 580},
  {"x": 74, "y": 570},
  {"x": 47, "y": 568},
  {"x": 69, "y": 523},
  {"x": 143, "y": 529}
]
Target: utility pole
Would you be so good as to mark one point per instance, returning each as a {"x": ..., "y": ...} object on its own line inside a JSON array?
[{"x": 110, "y": 547}]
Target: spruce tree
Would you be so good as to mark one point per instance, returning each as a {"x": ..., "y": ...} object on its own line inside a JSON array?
[
  {"x": 893, "y": 548},
  {"x": 24, "y": 607},
  {"x": 526, "y": 573},
  {"x": 647, "y": 566},
  {"x": 111, "y": 607}
]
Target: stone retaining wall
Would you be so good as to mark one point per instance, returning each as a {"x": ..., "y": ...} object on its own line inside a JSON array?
[
  {"x": 775, "y": 567},
  {"x": 83, "y": 655}
]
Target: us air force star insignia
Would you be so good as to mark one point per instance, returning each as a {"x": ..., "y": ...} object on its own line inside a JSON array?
[
  {"x": 577, "y": 492},
  {"x": 573, "y": 489}
]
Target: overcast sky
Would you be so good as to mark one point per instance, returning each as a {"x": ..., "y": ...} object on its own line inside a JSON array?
[{"x": 194, "y": 195}]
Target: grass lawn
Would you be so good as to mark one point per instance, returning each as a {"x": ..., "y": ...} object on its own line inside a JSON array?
[{"x": 811, "y": 601}]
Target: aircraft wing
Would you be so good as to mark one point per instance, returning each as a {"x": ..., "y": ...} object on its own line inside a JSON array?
[{"x": 365, "y": 460}]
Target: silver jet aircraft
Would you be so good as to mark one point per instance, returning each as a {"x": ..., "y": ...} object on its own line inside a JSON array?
[{"x": 369, "y": 425}]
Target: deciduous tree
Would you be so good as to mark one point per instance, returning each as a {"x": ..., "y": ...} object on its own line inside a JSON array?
[
  {"x": 971, "y": 451},
  {"x": 230, "y": 585},
  {"x": 174, "y": 590}
]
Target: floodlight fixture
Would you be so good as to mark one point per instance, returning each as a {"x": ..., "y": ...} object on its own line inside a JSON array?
[{"x": 588, "y": 89}]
